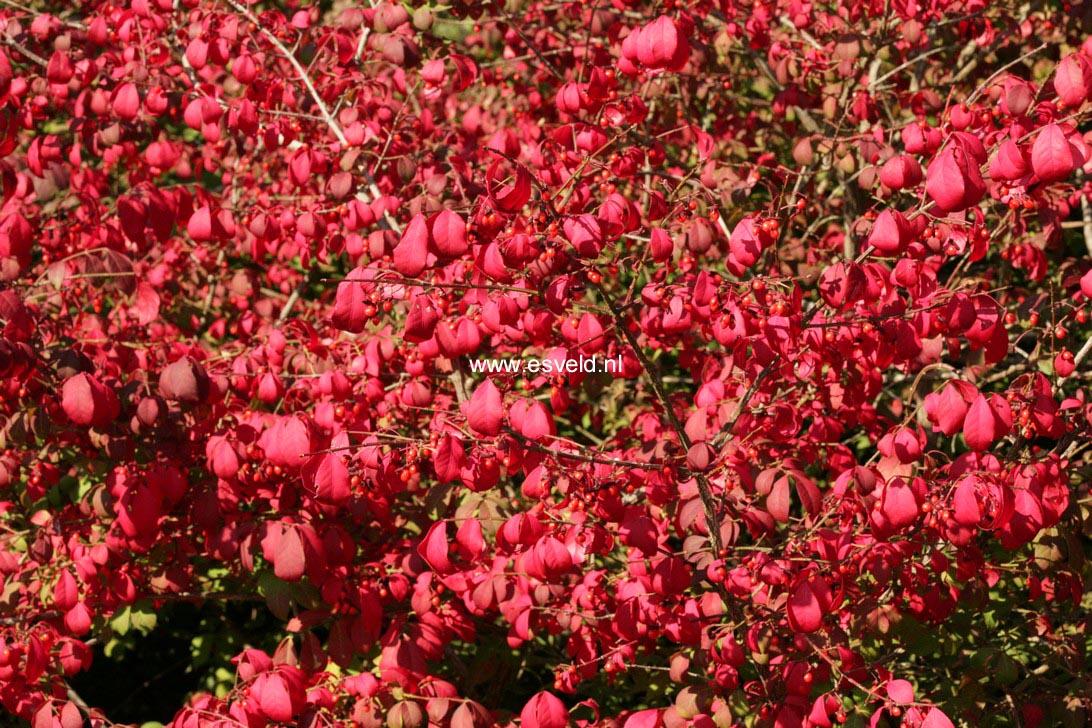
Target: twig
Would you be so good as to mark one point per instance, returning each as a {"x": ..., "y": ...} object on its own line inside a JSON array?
[{"x": 1079, "y": 358}]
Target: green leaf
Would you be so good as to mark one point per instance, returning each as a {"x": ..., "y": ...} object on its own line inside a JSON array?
[
  {"x": 142, "y": 616},
  {"x": 121, "y": 622},
  {"x": 277, "y": 594}
]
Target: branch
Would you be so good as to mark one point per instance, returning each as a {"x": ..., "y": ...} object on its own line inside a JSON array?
[
  {"x": 706, "y": 494},
  {"x": 1086, "y": 224},
  {"x": 562, "y": 454},
  {"x": 324, "y": 111}
]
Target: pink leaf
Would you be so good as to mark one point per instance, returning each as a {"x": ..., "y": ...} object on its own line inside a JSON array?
[
  {"x": 271, "y": 693},
  {"x": 1073, "y": 79},
  {"x": 485, "y": 410},
  {"x": 88, "y": 402},
  {"x": 78, "y": 619},
  {"x": 199, "y": 226},
  {"x": 65, "y": 591},
  {"x": 1010, "y": 162},
  {"x": 1053, "y": 156},
  {"x": 544, "y": 710},
  {"x": 351, "y": 304},
  {"x": 901, "y": 171},
  {"x": 289, "y": 559},
  {"x": 508, "y": 198},
  {"x": 986, "y": 423},
  {"x": 411, "y": 253},
  {"x": 953, "y": 180},
  {"x": 662, "y": 246},
  {"x": 146, "y": 305},
  {"x": 937, "y": 719},
  {"x": 434, "y": 549},
  {"x": 947, "y": 409},
  {"x": 778, "y": 501},
  {"x": 661, "y": 45},
  {"x": 449, "y": 234},
  {"x": 808, "y": 602},
  {"x": 448, "y": 459},
  {"x": 900, "y": 691},
  {"x": 965, "y": 507},
  {"x": 469, "y": 539},
  {"x": 421, "y": 320},
  {"x": 127, "y": 101},
  {"x": 890, "y": 232},
  {"x": 329, "y": 477},
  {"x": 898, "y": 504}
]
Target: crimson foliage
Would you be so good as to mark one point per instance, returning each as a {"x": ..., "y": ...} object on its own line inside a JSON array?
[{"x": 841, "y": 249}]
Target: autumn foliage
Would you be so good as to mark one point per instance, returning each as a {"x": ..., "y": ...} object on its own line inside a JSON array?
[{"x": 248, "y": 250}]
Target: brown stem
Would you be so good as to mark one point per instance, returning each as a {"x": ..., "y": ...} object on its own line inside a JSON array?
[{"x": 706, "y": 494}]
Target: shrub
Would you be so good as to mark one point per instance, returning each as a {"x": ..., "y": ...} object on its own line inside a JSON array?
[{"x": 251, "y": 252}]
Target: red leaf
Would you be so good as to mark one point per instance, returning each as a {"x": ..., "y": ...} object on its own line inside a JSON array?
[
  {"x": 544, "y": 710},
  {"x": 43, "y": 716},
  {"x": 5, "y": 74},
  {"x": 937, "y": 719},
  {"x": 421, "y": 320},
  {"x": 88, "y": 402},
  {"x": 661, "y": 45},
  {"x": 953, "y": 180},
  {"x": 449, "y": 459},
  {"x": 898, "y": 504},
  {"x": 71, "y": 716},
  {"x": 531, "y": 419},
  {"x": 547, "y": 559},
  {"x": 1053, "y": 156},
  {"x": 289, "y": 559},
  {"x": 469, "y": 539},
  {"x": 199, "y": 226},
  {"x": 65, "y": 591},
  {"x": 329, "y": 478},
  {"x": 808, "y": 602},
  {"x": 585, "y": 234},
  {"x": 662, "y": 246},
  {"x": 223, "y": 461},
  {"x": 435, "y": 548},
  {"x": 270, "y": 690},
  {"x": 59, "y": 69},
  {"x": 1010, "y": 163},
  {"x": 287, "y": 442},
  {"x": 411, "y": 253},
  {"x": 77, "y": 620},
  {"x": 485, "y": 410},
  {"x": 351, "y": 303},
  {"x": 449, "y": 234},
  {"x": 890, "y": 232},
  {"x": 470, "y": 715},
  {"x": 127, "y": 101},
  {"x": 1073, "y": 79},
  {"x": 985, "y": 423},
  {"x": 184, "y": 381},
  {"x": 649, "y": 718},
  {"x": 508, "y": 198},
  {"x": 744, "y": 246},
  {"x": 779, "y": 500},
  {"x": 947, "y": 409},
  {"x": 146, "y": 305},
  {"x": 965, "y": 507},
  {"x": 901, "y": 171},
  {"x": 900, "y": 691}
]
